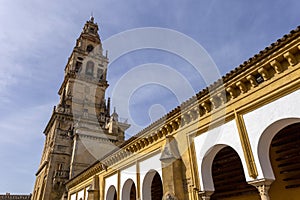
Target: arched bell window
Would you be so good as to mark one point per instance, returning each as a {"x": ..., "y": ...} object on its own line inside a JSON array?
[{"x": 89, "y": 48}]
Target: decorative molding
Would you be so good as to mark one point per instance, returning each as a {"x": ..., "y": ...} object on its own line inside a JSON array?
[
  {"x": 290, "y": 58},
  {"x": 241, "y": 86},
  {"x": 252, "y": 81},
  {"x": 246, "y": 145},
  {"x": 277, "y": 66},
  {"x": 232, "y": 92},
  {"x": 264, "y": 73}
]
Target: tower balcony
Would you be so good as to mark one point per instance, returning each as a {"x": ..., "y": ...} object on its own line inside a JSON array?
[
  {"x": 61, "y": 174},
  {"x": 59, "y": 178}
]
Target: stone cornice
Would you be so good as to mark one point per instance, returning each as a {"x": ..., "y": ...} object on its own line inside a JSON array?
[
  {"x": 56, "y": 115},
  {"x": 270, "y": 63},
  {"x": 98, "y": 138},
  {"x": 41, "y": 167}
]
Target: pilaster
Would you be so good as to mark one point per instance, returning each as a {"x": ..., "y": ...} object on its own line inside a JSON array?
[
  {"x": 93, "y": 191},
  {"x": 172, "y": 170}
]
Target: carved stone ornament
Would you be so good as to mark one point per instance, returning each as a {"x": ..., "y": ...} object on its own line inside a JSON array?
[
  {"x": 169, "y": 196},
  {"x": 170, "y": 151}
]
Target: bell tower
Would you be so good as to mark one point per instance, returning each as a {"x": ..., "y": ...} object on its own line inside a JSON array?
[
  {"x": 85, "y": 82},
  {"x": 80, "y": 130}
]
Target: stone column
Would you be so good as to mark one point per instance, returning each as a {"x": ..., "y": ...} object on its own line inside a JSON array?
[
  {"x": 263, "y": 186},
  {"x": 205, "y": 195}
]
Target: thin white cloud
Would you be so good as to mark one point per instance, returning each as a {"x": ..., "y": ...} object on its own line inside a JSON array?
[{"x": 27, "y": 124}]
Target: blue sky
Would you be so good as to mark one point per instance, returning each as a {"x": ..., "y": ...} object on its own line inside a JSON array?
[{"x": 37, "y": 37}]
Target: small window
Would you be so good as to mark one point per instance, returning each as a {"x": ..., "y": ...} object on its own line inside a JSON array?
[
  {"x": 78, "y": 67},
  {"x": 92, "y": 30},
  {"x": 59, "y": 166},
  {"x": 100, "y": 74},
  {"x": 89, "y": 68},
  {"x": 89, "y": 48}
]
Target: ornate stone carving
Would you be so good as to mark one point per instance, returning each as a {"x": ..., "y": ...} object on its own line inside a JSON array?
[
  {"x": 222, "y": 97},
  {"x": 206, "y": 107},
  {"x": 168, "y": 128},
  {"x": 214, "y": 102},
  {"x": 264, "y": 73},
  {"x": 290, "y": 58},
  {"x": 169, "y": 196},
  {"x": 196, "y": 111},
  {"x": 186, "y": 118},
  {"x": 160, "y": 133},
  {"x": 277, "y": 66},
  {"x": 174, "y": 125},
  {"x": 205, "y": 195},
  {"x": 241, "y": 86},
  {"x": 252, "y": 81},
  {"x": 232, "y": 92},
  {"x": 263, "y": 186},
  {"x": 170, "y": 151}
]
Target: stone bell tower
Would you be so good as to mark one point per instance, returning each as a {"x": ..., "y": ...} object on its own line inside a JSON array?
[{"x": 81, "y": 129}]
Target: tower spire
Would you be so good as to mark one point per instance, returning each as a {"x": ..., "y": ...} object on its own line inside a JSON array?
[{"x": 92, "y": 17}]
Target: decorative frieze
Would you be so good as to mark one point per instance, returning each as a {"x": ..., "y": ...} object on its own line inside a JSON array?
[
  {"x": 214, "y": 102},
  {"x": 277, "y": 66},
  {"x": 241, "y": 86},
  {"x": 252, "y": 81},
  {"x": 222, "y": 97},
  {"x": 290, "y": 58},
  {"x": 168, "y": 129},
  {"x": 206, "y": 107},
  {"x": 186, "y": 118},
  {"x": 264, "y": 73},
  {"x": 174, "y": 125}
]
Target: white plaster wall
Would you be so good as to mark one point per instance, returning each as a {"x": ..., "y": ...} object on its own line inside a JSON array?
[
  {"x": 80, "y": 195},
  {"x": 86, "y": 193},
  {"x": 73, "y": 197},
  {"x": 111, "y": 180},
  {"x": 257, "y": 121},
  {"x": 208, "y": 144},
  {"x": 128, "y": 173}
]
